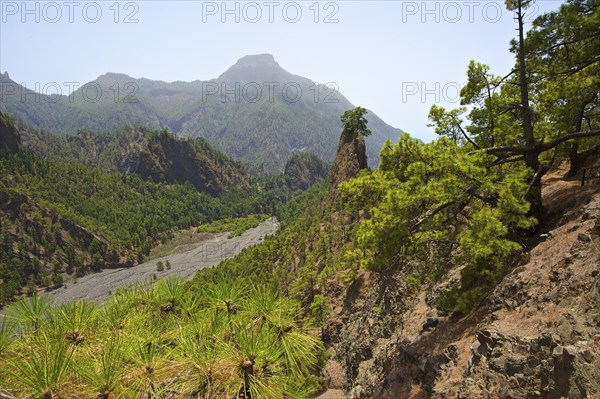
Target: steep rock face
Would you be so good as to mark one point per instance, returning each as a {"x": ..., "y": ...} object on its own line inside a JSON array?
[
  {"x": 350, "y": 159},
  {"x": 304, "y": 170},
  {"x": 9, "y": 137},
  {"x": 535, "y": 335},
  {"x": 167, "y": 159},
  {"x": 541, "y": 338}
]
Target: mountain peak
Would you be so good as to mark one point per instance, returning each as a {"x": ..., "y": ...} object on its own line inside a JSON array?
[
  {"x": 257, "y": 58},
  {"x": 113, "y": 76},
  {"x": 255, "y": 68}
]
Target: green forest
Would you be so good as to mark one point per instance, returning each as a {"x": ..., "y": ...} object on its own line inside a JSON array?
[{"x": 113, "y": 218}]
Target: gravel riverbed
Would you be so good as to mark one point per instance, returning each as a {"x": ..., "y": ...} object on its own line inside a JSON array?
[{"x": 185, "y": 262}]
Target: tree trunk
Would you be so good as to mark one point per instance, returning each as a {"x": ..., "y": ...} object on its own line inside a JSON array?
[
  {"x": 574, "y": 159},
  {"x": 534, "y": 194}
]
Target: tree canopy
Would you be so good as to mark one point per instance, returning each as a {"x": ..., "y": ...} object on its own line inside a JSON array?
[
  {"x": 550, "y": 97},
  {"x": 354, "y": 121}
]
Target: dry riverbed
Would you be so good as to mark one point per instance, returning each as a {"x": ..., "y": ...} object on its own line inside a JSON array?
[{"x": 185, "y": 262}]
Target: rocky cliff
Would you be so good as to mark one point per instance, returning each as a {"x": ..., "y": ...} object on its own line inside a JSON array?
[{"x": 350, "y": 159}]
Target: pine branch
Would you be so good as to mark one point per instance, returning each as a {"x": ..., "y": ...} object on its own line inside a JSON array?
[
  {"x": 466, "y": 136},
  {"x": 506, "y": 159},
  {"x": 539, "y": 148},
  {"x": 431, "y": 213},
  {"x": 562, "y": 139}
]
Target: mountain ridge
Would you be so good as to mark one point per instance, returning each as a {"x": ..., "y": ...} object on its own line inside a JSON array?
[{"x": 290, "y": 113}]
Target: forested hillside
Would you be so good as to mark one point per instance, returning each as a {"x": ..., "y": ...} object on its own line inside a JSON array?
[
  {"x": 67, "y": 217},
  {"x": 82, "y": 207},
  {"x": 153, "y": 155}
]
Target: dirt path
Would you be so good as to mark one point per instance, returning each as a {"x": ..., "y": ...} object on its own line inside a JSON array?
[{"x": 184, "y": 263}]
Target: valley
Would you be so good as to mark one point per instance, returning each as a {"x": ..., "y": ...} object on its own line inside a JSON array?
[{"x": 184, "y": 262}]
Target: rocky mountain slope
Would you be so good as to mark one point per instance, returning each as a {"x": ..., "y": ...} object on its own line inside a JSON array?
[
  {"x": 534, "y": 336},
  {"x": 155, "y": 156},
  {"x": 255, "y": 111},
  {"x": 533, "y": 332},
  {"x": 303, "y": 170},
  {"x": 167, "y": 159}
]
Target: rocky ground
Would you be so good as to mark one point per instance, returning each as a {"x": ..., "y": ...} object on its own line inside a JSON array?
[
  {"x": 537, "y": 334},
  {"x": 185, "y": 262}
]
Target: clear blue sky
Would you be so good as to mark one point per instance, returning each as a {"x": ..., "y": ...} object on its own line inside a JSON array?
[{"x": 394, "y": 57}]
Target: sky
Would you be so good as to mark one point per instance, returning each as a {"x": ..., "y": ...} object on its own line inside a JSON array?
[{"x": 396, "y": 58}]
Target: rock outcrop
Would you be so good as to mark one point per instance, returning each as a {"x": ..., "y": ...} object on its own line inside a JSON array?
[{"x": 350, "y": 159}]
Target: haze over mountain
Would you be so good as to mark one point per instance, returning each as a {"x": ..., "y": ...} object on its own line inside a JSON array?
[{"x": 255, "y": 111}]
